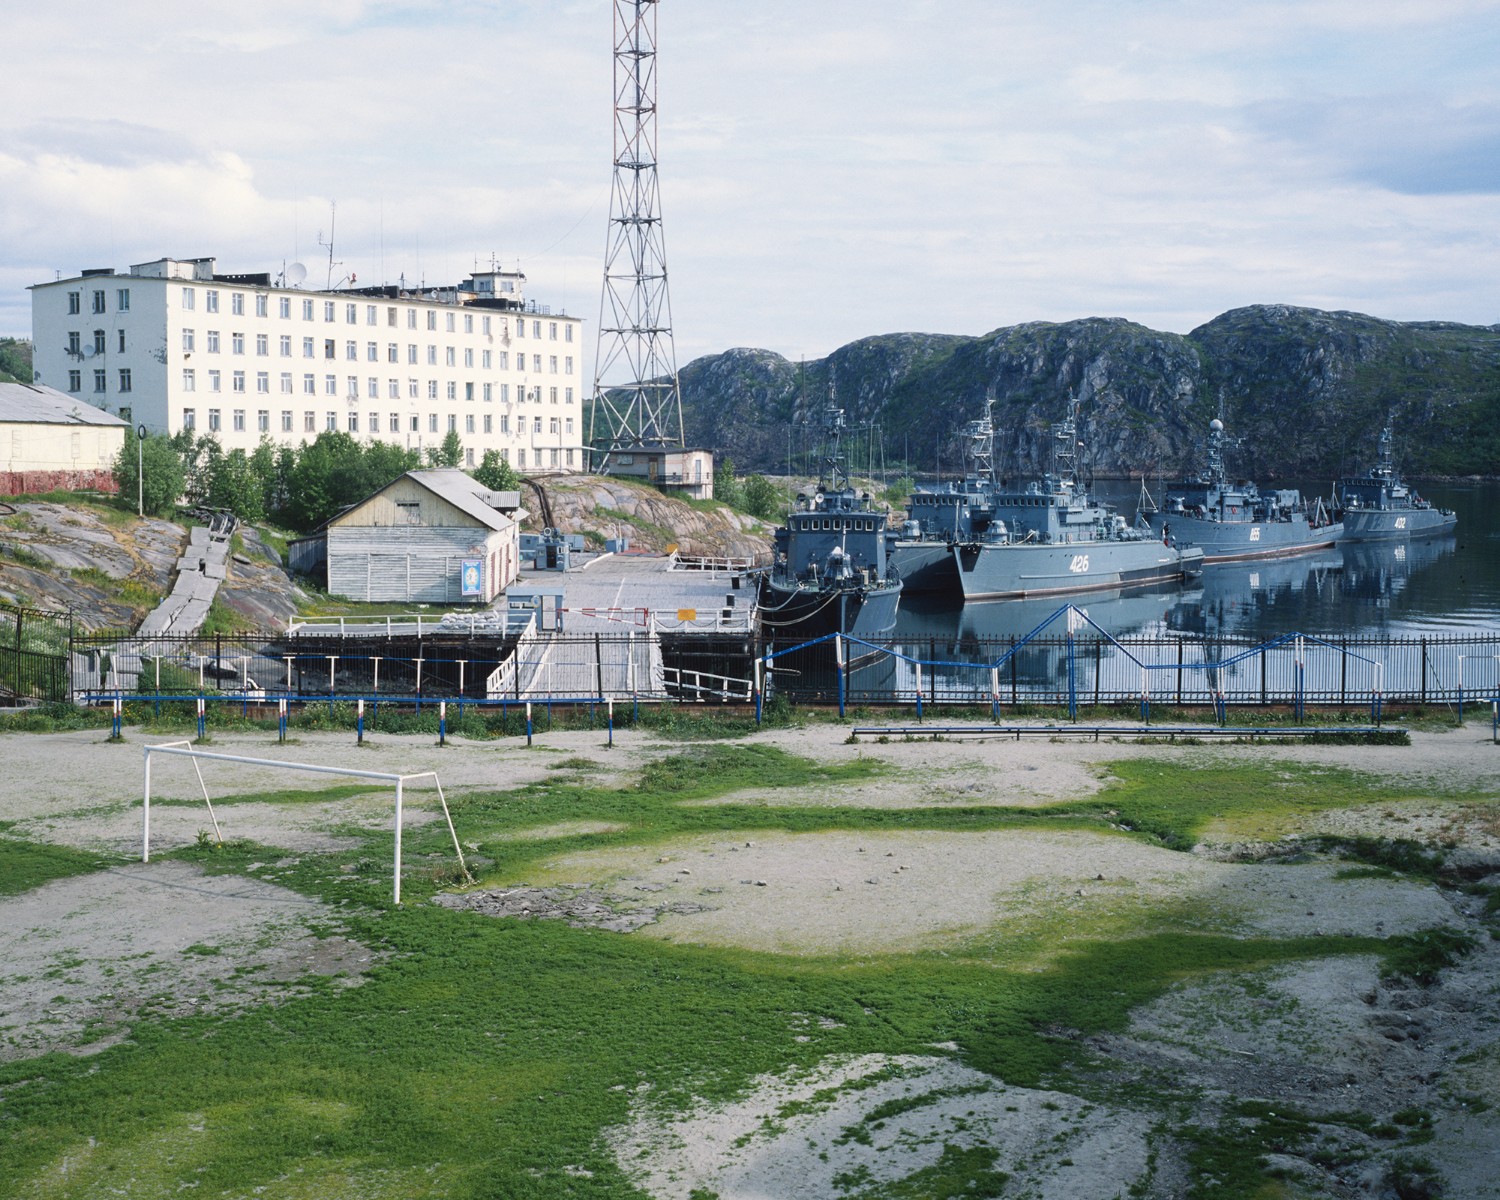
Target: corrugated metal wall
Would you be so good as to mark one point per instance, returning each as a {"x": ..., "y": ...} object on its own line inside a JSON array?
[{"x": 411, "y": 563}]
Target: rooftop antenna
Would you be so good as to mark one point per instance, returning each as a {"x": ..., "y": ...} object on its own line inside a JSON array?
[
  {"x": 333, "y": 213},
  {"x": 643, "y": 408}
]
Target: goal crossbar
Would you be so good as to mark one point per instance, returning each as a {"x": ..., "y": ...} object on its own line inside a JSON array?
[{"x": 398, "y": 782}]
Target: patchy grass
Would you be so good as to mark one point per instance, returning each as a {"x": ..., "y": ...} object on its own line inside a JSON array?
[{"x": 27, "y": 865}]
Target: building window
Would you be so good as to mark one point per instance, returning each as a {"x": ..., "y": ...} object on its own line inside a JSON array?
[
  {"x": 330, "y": 385},
  {"x": 213, "y": 381},
  {"x": 261, "y": 300},
  {"x": 189, "y": 380},
  {"x": 552, "y": 456},
  {"x": 432, "y": 356},
  {"x": 484, "y": 324},
  {"x": 328, "y": 310},
  {"x": 567, "y": 333},
  {"x": 307, "y": 310},
  {"x": 239, "y": 420},
  {"x": 395, "y": 424},
  {"x": 354, "y": 422},
  {"x": 237, "y": 343},
  {"x": 504, "y": 422},
  {"x": 552, "y": 395},
  {"x": 124, "y": 379},
  {"x": 505, "y": 360},
  {"x": 413, "y": 389},
  {"x": 411, "y": 353},
  {"x": 452, "y": 422},
  {"x": 263, "y": 420},
  {"x": 238, "y": 382},
  {"x": 237, "y": 303},
  {"x": 432, "y": 422},
  {"x": 570, "y": 449},
  {"x": 121, "y": 340},
  {"x": 286, "y": 345},
  {"x": 351, "y": 314},
  {"x": 212, "y": 338},
  {"x": 469, "y": 423},
  {"x": 309, "y": 421},
  {"x": 416, "y": 423},
  {"x": 286, "y": 383},
  {"x": 310, "y": 385},
  {"x": 393, "y": 389},
  {"x": 468, "y": 357},
  {"x": 411, "y": 318},
  {"x": 468, "y": 456},
  {"x": 567, "y": 395},
  {"x": 211, "y": 300},
  {"x": 75, "y": 381},
  {"x": 505, "y": 393},
  {"x": 262, "y": 344},
  {"x": 536, "y": 425},
  {"x": 449, "y": 322},
  {"x": 189, "y": 419},
  {"x": 188, "y": 339},
  {"x": 568, "y": 365},
  {"x": 98, "y": 341},
  {"x": 372, "y": 351},
  {"x": 390, "y": 316},
  {"x": 75, "y": 303},
  {"x": 489, "y": 391},
  {"x": 284, "y": 311},
  {"x": 331, "y": 422},
  {"x": 568, "y": 425},
  {"x": 98, "y": 302},
  {"x": 552, "y": 425},
  {"x": 372, "y": 388},
  {"x": 487, "y": 423},
  {"x": 122, "y": 300},
  {"x": 188, "y": 298},
  {"x": 286, "y": 420},
  {"x": 213, "y": 420},
  {"x": 521, "y": 453},
  {"x": 431, "y": 319},
  {"x": 370, "y": 317},
  {"x": 432, "y": 389},
  {"x": 552, "y": 331},
  {"x": 452, "y": 389},
  {"x": 468, "y": 323},
  {"x": 263, "y": 382},
  {"x": 351, "y": 351},
  {"x": 353, "y": 392},
  {"x": 330, "y": 348},
  {"x": 75, "y": 343},
  {"x": 520, "y": 329},
  {"x": 536, "y": 329},
  {"x": 309, "y": 348},
  {"x": 392, "y": 352},
  {"x": 374, "y": 424}
]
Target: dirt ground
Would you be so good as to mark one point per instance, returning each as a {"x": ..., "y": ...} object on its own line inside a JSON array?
[{"x": 83, "y": 957}]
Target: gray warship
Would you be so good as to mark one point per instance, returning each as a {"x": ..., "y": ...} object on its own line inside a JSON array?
[
  {"x": 1378, "y": 506},
  {"x": 1051, "y": 538},
  {"x": 940, "y": 517},
  {"x": 831, "y": 572},
  {"x": 1232, "y": 521}
]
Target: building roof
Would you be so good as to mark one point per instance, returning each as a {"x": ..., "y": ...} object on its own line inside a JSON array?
[
  {"x": 33, "y": 404},
  {"x": 468, "y": 495}
]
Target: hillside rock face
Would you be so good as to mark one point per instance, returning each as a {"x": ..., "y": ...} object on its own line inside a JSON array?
[
  {"x": 613, "y": 508},
  {"x": 1305, "y": 391}
]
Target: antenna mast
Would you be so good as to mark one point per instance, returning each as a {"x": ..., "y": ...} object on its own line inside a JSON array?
[{"x": 643, "y": 407}]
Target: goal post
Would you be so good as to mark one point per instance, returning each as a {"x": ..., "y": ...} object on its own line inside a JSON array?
[{"x": 398, "y": 783}]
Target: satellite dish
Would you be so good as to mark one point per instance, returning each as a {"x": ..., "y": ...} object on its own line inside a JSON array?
[
  {"x": 90, "y": 350},
  {"x": 295, "y": 274}
]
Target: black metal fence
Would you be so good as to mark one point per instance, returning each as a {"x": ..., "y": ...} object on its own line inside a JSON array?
[
  {"x": 1087, "y": 668},
  {"x": 34, "y": 649}
]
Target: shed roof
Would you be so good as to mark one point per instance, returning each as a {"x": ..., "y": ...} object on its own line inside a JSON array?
[{"x": 35, "y": 404}]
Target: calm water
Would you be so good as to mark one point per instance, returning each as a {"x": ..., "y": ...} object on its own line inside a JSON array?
[{"x": 1428, "y": 587}]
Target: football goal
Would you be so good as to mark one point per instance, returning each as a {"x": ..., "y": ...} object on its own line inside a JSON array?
[{"x": 398, "y": 783}]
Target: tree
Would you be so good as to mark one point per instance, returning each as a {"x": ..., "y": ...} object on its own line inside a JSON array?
[
  {"x": 449, "y": 454},
  {"x": 727, "y": 489},
  {"x": 162, "y": 473},
  {"x": 15, "y": 360},
  {"x": 232, "y": 484},
  {"x": 495, "y": 472},
  {"x": 763, "y": 498}
]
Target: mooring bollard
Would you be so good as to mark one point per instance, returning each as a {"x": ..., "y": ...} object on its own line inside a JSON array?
[
  {"x": 281, "y": 720},
  {"x": 200, "y": 718},
  {"x": 359, "y": 723},
  {"x": 442, "y": 722}
]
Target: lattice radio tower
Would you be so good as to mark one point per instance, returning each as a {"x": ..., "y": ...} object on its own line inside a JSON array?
[{"x": 642, "y": 407}]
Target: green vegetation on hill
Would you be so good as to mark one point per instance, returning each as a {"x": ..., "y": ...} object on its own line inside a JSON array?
[{"x": 15, "y": 360}]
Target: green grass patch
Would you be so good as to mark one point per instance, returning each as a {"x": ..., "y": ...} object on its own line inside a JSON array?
[
  {"x": 26, "y": 865},
  {"x": 1421, "y": 957}
]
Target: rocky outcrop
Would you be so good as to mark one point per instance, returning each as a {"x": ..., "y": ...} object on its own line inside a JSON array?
[
  {"x": 1305, "y": 391},
  {"x": 601, "y": 508}
]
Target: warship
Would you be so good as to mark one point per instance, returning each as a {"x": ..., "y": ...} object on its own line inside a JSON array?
[
  {"x": 1233, "y": 521},
  {"x": 1378, "y": 506},
  {"x": 831, "y": 571},
  {"x": 939, "y": 517},
  {"x": 1051, "y": 538}
]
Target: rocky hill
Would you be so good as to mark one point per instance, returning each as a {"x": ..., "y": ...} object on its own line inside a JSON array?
[
  {"x": 603, "y": 508},
  {"x": 1305, "y": 390}
]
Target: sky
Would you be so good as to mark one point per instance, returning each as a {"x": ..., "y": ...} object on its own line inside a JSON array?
[{"x": 828, "y": 171}]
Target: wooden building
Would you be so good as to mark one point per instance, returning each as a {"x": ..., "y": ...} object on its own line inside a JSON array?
[{"x": 430, "y": 537}]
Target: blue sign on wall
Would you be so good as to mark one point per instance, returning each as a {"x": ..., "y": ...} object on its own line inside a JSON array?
[{"x": 472, "y": 575}]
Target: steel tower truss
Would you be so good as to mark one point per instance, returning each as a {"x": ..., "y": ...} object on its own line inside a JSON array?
[{"x": 642, "y": 408}]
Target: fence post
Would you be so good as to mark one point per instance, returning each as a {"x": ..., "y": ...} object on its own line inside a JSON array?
[
  {"x": 1072, "y": 675},
  {"x": 359, "y": 724},
  {"x": 838, "y": 668},
  {"x": 442, "y": 722},
  {"x": 200, "y": 719},
  {"x": 1424, "y": 670},
  {"x": 1098, "y": 667},
  {"x": 1343, "y": 672},
  {"x": 918, "y": 665},
  {"x": 995, "y": 694},
  {"x": 610, "y": 709},
  {"x": 281, "y": 720},
  {"x": 1461, "y": 658},
  {"x": 528, "y": 722},
  {"x": 461, "y": 664},
  {"x": 1145, "y": 705},
  {"x": 1179, "y": 672}
]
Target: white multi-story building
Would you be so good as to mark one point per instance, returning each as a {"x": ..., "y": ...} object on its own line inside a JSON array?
[{"x": 171, "y": 345}]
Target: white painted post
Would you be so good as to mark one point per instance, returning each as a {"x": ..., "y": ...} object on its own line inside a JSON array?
[
  {"x": 332, "y": 658},
  {"x": 377, "y": 675},
  {"x": 146, "y": 814},
  {"x": 397, "y": 888},
  {"x": 288, "y": 658}
]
